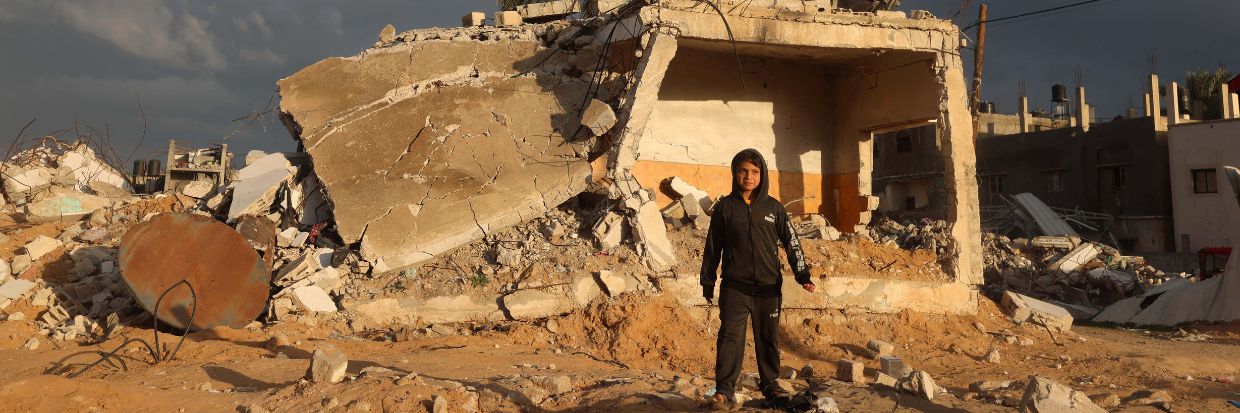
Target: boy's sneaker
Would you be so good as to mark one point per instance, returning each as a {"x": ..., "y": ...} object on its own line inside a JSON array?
[{"x": 721, "y": 403}]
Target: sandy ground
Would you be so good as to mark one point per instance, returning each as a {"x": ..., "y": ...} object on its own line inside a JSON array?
[{"x": 630, "y": 354}]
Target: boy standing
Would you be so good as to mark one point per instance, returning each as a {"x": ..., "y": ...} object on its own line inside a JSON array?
[{"x": 745, "y": 230}]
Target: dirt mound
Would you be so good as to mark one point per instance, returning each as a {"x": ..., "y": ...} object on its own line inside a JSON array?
[{"x": 641, "y": 333}]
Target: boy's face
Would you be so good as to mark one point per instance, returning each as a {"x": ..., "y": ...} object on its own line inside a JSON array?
[{"x": 748, "y": 176}]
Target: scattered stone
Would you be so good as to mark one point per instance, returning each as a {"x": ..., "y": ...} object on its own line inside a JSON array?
[
  {"x": 1023, "y": 308},
  {"x": 555, "y": 385},
  {"x": 921, "y": 384},
  {"x": 988, "y": 386},
  {"x": 32, "y": 344},
  {"x": 883, "y": 379},
  {"x": 807, "y": 371},
  {"x": 18, "y": 316},
  {"x": 439, "y": 404},
  {"x": 42, "y": 245},
  {"x": 826, "y": 404},
  {"x": 21, "y": 263},
  {"x": 879, "y": 348},
  {"x": 198, "y": 189},
  {"x": 850, "y": 371},
  {"x": 598, "y": 117},
  {"x": 894, "y": 367},
  {"x": 1043, "y": 395},
  {"x": 314, "y": 299},
  {"x": 610, "y": 230},
  {"x": 15, "y": 289},
  {"x": 1106, "y": 399},
  {"x": 1147, "y": 397},
  {"x": 277, "y": 341},
  {"x": 992, "y": 356},
  {"x": 388, "y": 34},
  {"x": 256, "y": 408},
  {"x": 328, "y": 365},
  {"x": 788, "y": 373}
]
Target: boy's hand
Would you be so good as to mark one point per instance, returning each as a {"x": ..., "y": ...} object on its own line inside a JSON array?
[{"x": 808, "y": 287}]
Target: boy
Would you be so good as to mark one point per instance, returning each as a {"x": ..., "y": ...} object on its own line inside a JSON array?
[{"x": 745, "y": 230}]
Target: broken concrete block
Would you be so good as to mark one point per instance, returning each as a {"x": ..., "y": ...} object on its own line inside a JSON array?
[
  {"x": 652, "y": 237},
  {"x": 610, "y": 230},
  {"x": 85, "y": 168},
  {"x": 921, "y": 384},
  {"x": 527, "y": 304},
  {"x": 63, "y": 205},
  {"x": 32, "y": 344},
  {"x": 850, "y": 371},
  {"x": 255, "y": 187},
  {"x": 1044, "y": 395},
  {"x": 612, "y": 283},
  {"x": 474, "y": 19},
  {"x": 1023, "y": 308},
  {"x": 253, "y": 156},
  {"x": 508, "y": 19},
  {"x": 1077, "y": 257},
  {"x": 883, "y": 379},
  {"x": 297, "y": 269},
  {"x": 21, "y": 263},
  {"x": 989, "y": 386},
  {"x": 5, "y": 270},
  {"x": 328, "y": 365},
  {"x": 598, "y": 117},
  {"x": 894, "y": 367},
  {"x": 584, "y": 288},
  {"x": 198, "y": 189},
  {"x": 314, "y": 299},
  {"x": 15, "y": 289},
  {"x": 879, "y": 348},
  {"x": 284, "y": 239},
  {"x": 992, "y": 356},
  {"x": 554, "y": 384},
  {"x": 21, "y": 180},
  {"x": 387, "y": 34}
]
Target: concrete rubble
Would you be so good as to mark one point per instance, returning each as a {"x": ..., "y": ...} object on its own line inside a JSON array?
[{"x": 1043, "y": 395}]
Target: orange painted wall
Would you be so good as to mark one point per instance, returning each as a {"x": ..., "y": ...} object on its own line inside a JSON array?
[{"x": 787, "y": 186}]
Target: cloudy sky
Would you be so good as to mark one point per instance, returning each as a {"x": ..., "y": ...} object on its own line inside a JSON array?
[{"x": 197, "y": 65}]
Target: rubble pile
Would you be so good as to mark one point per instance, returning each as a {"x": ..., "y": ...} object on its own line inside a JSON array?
[
  {"x": 1079, "y": 275},
  {"x": 56, "y": 181}
]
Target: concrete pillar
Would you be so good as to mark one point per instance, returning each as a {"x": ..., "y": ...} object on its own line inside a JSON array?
[
  {"x": 1023, "y": 115},
  {"x": 1173, "y": 106},
  {"x": 1147, "y": 105},
  {"x": 1160, "y": 123},
  {"x": 1224, "y": 95},
  {"x": 1235, "y": 106},
  {"x": 656, "y": 57},
  {"x": 1082, "y": 109},
  {"x": 960, "y": 169}
]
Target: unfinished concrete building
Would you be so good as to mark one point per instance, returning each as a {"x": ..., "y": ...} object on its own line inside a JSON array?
[{"x": 437, "y": 137}]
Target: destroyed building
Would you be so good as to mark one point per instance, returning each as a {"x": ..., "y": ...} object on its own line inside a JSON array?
[{"x": 438, "y": 137}]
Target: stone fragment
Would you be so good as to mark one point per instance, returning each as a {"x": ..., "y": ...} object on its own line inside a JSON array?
[
  {"x": 328, "y": 365},
  {"x": 285, "y": 238},
  {"x": 508, "y": 19},
  {"x": 1044, "y": 395},
  {"x": 807, "y": 371},
  {"x": 989, "y": 386},
  {"x": 387, "y": 34},
  {"x": 527, "y": 304},
  {"x": 314, "y": 299},
  {"x": 18, "y": 316},
  {"x": 15, "y": 289},
  {"x": 439, "y": 404},
  {"x": 198, "y": 189},
  {"x": 652, "y": 237},
  {"x": 63, "y": 205},
  {"x": 598, "y": 117},
  {"x": 474, "y": 19},
  {"x": 1147, "y": 397},
  {"x": 850, "y": 371},
  {"x": 610, "y": 230},
  {"x": 256, "y": 185},
  {"x": 584, "y": 288},
  {"x": 894, "y": 367},
  {"x": 42, "y": 245},
  {"x": 255, "y": 408},
  {"x": 555, "y": 385},
  {"x": 921, "y": 384},
  {"x": 21, "y": 263},
  {"x": 277, "y": 341},
  {"x": 826, "y": 404},
  {"x": 32, "y": 344},
  {"x": 879, "y": 348},
  {"x": 1105, "y": 399},
  {"x": 1023, "y": 308},
  {"x": 992, "y": 356},
  {"x": 883, "y": 379},
  {"x": 1077, "y": 257}
]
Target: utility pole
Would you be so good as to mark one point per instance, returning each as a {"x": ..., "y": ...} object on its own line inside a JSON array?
[{"x": 977, "y": 66}]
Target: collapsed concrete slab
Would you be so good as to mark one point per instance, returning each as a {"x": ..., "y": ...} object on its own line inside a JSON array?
[
  {"x": 434, "y": 144},
  {"x": 1024, "y": 308},
  {"x": 255, "y": 187}
]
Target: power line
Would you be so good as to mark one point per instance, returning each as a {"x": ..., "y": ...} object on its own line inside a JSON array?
[{"x": 1033, "y": 13}]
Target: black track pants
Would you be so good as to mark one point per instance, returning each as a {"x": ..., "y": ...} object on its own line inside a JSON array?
[{"x": 735, "y": 308}]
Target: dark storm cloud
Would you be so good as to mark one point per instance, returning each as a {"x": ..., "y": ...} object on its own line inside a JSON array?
[{"x": 196, "y": 65}]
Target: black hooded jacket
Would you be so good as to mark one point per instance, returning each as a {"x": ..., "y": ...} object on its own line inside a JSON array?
[{"x": 747, "y": 237}]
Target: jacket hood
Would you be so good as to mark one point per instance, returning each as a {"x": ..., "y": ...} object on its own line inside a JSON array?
[{"x": 759, "y": 192}]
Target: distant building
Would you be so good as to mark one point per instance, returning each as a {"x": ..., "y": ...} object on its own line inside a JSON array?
[{"x": 1200, "y": 196}]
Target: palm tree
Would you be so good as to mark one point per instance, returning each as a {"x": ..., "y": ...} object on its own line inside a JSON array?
[{"x": 1203, "y": 89}]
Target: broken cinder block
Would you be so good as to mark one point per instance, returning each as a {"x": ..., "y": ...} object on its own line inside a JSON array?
[
  {"x": 850, "y": 371},
  {"x": 474, "y": 19},
  {"x": 508, "y": 19}
]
